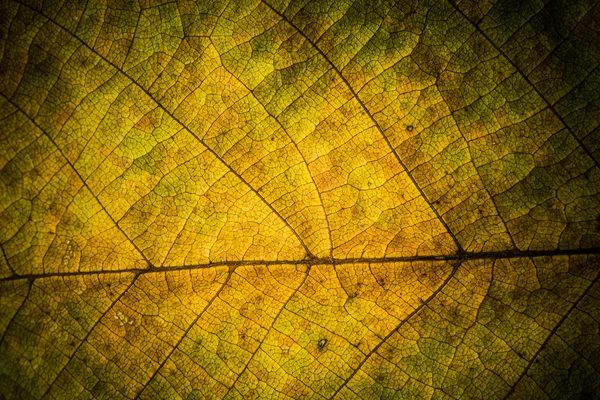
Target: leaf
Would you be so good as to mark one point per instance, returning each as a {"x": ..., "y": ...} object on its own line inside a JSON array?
[{"x": 299, "y": 200}]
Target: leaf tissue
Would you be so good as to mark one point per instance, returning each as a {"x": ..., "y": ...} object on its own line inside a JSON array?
[{"x": 289, "y": 199}]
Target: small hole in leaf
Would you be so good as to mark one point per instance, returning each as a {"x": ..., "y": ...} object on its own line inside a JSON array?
[{"x": 410, "y": 128}]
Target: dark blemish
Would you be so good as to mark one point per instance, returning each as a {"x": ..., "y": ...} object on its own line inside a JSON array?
[
  {"x": 72, "y": 344},
  {"x": 243, "y": 336},
  {"x": 322, "y": 343},
  {"x": 382, "y": 282},
  {"x": 352, "y": 295},
  {"x": 410, "y": 128}
]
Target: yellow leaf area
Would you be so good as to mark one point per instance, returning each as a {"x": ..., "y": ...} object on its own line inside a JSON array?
[
  {"x": 299, "y": 199},
  {"x": 425, "y": 329}
]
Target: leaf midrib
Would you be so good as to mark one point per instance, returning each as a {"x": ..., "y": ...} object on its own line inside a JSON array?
[{"x": 458, "y": 257}]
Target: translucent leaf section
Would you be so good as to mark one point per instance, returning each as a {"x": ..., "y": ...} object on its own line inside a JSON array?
[
  {"x": 54, "y": 222},
  {"x": 291, "y": 199},
  {"x": 486, "y": 144},
  {"x": 479, "y": 328}
]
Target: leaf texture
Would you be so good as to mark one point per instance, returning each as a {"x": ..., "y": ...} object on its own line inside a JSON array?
[{"x": 303, "y": 199}]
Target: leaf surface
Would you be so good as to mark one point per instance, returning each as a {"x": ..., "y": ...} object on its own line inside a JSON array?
[{"x": 304, "y": 199}]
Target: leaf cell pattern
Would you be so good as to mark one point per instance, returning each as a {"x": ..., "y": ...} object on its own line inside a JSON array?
[{"x": 299, "y": 199}]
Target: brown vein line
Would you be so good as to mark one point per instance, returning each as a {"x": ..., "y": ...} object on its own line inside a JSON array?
[
  {"x": 397, "y": 328},
  {"x": 6, "y": 259},
  {"x": 80, "y": 177},
  {"x": 308, "y": 253},
  {"x": 90, "y": 332},
  {"x": 18, "y": 311},
  {"x": 135, "y": 31},
  {"x": 491, "y": 255},
  {"x": 551, "y": 335},
  {"x": 512, "y": 240},
  {"x": 541, "y": 10},
  {"x": 539, "y": 93},
  {"x": 270, "y": 329},
  {"x": 295, "y": 145},
  {"x": 162, "y": 364},
  {"x": 376, "y": 124}
]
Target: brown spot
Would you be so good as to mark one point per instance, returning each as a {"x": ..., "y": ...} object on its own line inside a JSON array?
[{"x": 321, "y": 344}]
